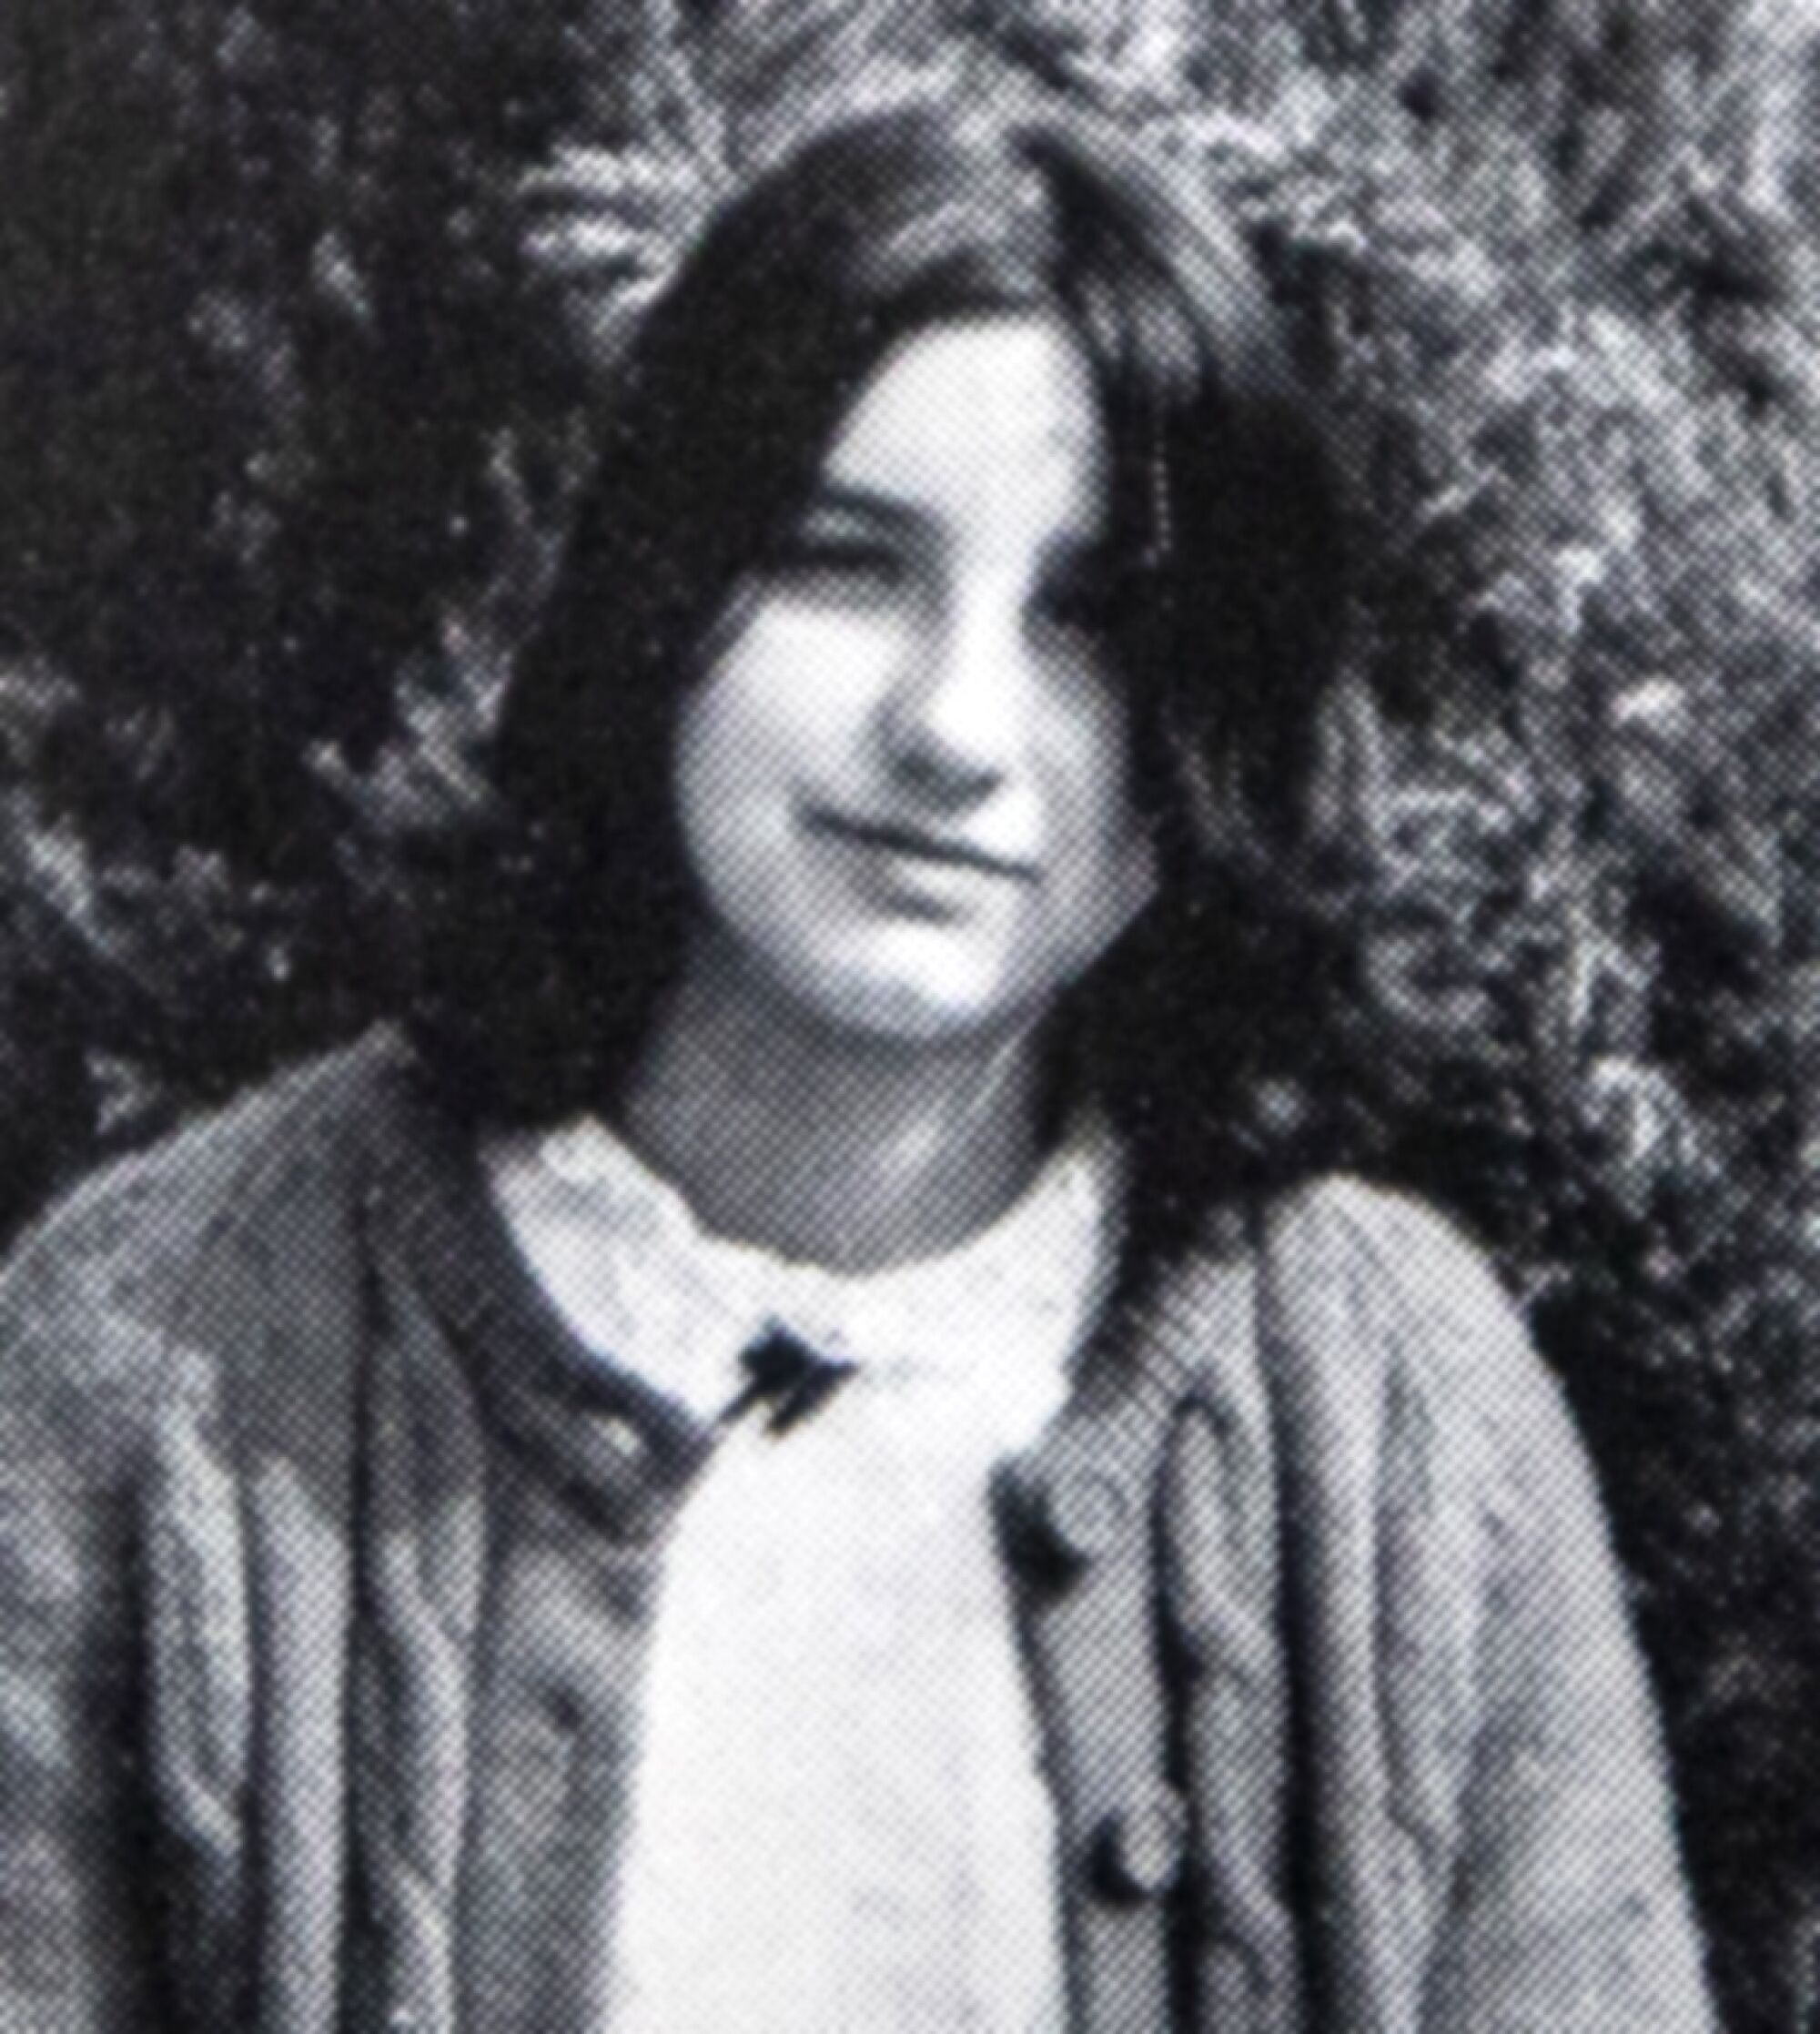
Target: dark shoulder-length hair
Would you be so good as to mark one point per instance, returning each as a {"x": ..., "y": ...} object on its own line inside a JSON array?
[{"x": 1228, "y": 570}]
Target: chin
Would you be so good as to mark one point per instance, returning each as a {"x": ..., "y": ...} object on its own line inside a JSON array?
[{"x": 909, "y": 1011}]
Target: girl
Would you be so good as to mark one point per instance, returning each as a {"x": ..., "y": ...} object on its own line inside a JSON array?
[{"x": 778, "y": 1457}]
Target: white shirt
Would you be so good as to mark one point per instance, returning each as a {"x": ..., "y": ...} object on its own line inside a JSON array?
[{"x": 838, "y": 1822}]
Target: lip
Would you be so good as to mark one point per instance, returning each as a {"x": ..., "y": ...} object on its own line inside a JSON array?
[{"x": 888, "y": 837}]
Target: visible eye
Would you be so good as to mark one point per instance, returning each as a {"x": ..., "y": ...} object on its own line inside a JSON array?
[
  {"x": 839, "y": 564},
  {"x": 1081, "y": 602}
]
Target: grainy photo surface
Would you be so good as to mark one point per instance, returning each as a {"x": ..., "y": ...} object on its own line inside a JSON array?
[{"x": 909, "y": 988}]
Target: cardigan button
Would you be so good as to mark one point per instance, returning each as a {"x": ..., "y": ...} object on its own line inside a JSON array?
[
  {"x": 621, "y": 1436},
  {"x": 1140, "y": 1848},
  {"x": 1085, "y": 1513}
]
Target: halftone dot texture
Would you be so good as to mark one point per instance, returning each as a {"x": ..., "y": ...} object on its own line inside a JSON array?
[
  {"x": 1308, "y": 1568},
  {"x": 324, "y": 1575}
]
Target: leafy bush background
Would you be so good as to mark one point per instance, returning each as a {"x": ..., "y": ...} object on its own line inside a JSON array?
[{"x": 300, "y": 304}]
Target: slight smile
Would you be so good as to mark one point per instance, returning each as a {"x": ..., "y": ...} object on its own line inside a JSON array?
[{"x": 924, "y": 848}]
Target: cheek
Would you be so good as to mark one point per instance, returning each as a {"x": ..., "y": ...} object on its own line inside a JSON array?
[
  {"x": 783, "y": 699},
  {"x": 1133, "y": 877},
  {"x": 756, "y": 732},
  {"x": 1108, "y": 840},
  {"x": 731, "y": 803},
  {"x": 1114, "y": 883},
  {"x": 735, "y": 740}
]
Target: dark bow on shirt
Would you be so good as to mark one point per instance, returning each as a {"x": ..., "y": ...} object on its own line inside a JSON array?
[{"x": 788, "y": 1377}]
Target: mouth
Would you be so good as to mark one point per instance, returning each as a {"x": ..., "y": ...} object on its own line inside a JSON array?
[{"x": 913, "y": 844}]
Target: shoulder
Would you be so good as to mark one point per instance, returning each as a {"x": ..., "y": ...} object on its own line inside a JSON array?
[
  {"x": 229, "y": 1168},
  {"x": 1399, "y": 1250},
  {"x": 1379, "y": 1286},
  {"x": 93, "y": 1295}
]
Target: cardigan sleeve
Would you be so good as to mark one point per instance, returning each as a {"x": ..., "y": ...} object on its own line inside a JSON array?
[
  {"x": 118, "y": 1312},
  {"x": 1568, "y": 1909},
  {"x": 77, "y": 1880}
]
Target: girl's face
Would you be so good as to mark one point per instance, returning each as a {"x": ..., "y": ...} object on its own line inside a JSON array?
[{"x": 903, "y": 778}]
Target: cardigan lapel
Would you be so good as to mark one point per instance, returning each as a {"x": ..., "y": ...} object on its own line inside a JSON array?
[
  {"x": 1078, "y": 1515},
  {"x": 586, "y": 1466},
  {"x": 1080, "y": 1518}
]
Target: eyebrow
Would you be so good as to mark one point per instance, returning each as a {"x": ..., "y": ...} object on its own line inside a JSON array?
[
  {"x": 1071, "y": 552},
  {"x": 832, "y": 498}
]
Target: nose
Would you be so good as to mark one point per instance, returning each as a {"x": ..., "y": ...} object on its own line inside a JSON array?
[{"x": 957, "y": 716}]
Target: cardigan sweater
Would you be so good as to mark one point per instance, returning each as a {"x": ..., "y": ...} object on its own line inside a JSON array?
[{"x": 328, "y": 1563}]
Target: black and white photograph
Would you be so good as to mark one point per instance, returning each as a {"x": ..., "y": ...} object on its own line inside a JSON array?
[{"x": 910, "y": 1016}]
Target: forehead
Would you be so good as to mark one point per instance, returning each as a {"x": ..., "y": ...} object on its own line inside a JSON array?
[{"x": 990, "y": 430}]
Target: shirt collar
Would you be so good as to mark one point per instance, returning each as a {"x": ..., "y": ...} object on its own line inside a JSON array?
[{"x": 623, "y": 1255}]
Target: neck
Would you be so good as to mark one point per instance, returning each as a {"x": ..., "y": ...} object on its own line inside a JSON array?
[{"x": 823, "y": 1145}]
